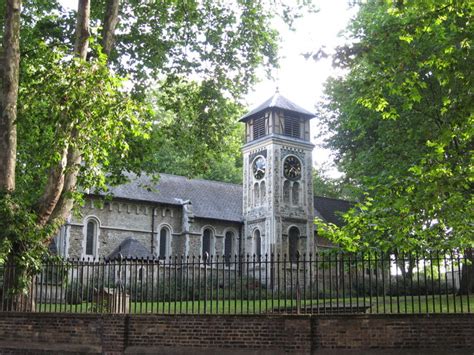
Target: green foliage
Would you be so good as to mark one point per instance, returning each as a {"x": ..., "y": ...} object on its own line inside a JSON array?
[
  {"x": 21, "y": 240},
  {"x": 218, "y": 41},
  {"x": 402, "y": 125},
  {"x": 68, "y": 108},
  {"x": 195, "y": 133},
  {"x": 57, "y": 110},
  {"x": 325, "y": 186}
]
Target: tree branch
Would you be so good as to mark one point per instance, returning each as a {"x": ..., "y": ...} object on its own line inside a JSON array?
[
  {"x": 59, "y": 206},
  {"x": 82, "y": 29},
  {"x": 52, "y": 192},
  {"x": 110, "y": 22},
  {"x": 65, "y": 203}
]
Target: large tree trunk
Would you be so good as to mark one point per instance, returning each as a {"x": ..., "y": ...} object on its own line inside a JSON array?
[
  {"x": 110, "y": 22},
  {"x": 9, "y": 74},
  {"x": 10, "y": 62},
  {"x": 467, "y": 273},
  {"x": 56, "y": 202}
]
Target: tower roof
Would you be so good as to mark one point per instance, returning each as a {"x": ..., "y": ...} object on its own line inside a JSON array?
[{"x": 280, "y": 102}]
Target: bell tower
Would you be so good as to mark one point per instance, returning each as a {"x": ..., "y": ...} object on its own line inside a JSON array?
[{"x": 278, "y": 207}]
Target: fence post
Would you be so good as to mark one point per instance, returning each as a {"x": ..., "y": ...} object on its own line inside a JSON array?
[
  {"x": 298, "y": 291},
  {"x": 205, "y": 257}
]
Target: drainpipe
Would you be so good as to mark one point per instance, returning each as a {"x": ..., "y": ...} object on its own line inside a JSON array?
[
  {"x": 153, "y": 212},
  {"x": 240, "y": 239}
]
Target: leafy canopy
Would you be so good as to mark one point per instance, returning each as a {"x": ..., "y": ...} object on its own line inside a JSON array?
[
  {"x": 175, "y": 73},
  {"x": 402, "y": 125}
]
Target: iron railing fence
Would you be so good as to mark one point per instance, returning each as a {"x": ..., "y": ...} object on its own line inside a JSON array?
[{"x": 328, "y": 282}]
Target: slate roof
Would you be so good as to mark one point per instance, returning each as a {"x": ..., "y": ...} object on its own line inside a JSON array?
[
  {"x": 130, "y": 248},
  {"x": 330, "y": 208},
  {"x": 209, "y": 199},
  {"x": 277, "y": 101}
]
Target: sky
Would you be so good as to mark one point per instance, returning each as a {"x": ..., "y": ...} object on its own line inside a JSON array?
[
  {"x": 302, "y": 80},
  {"x": 298, "y": 79}
]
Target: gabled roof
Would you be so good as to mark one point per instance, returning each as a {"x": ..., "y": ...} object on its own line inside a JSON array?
[
  {"x": 331, "y": 208},
  {"x": 130, "y": 248},
  {"x": 278, "y": 101},
  {"x": 209, "y": 199}
]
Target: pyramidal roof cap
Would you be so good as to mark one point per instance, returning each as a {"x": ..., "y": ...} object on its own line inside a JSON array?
[{"x": 277, "y": 101}]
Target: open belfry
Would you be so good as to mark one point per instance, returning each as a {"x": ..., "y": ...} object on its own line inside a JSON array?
[{"x": 278, "y": 200}]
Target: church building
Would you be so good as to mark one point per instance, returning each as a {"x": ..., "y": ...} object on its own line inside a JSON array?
[{"x": 271, "y": 212}]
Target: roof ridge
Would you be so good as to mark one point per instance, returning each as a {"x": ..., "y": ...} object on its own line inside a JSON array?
[
  {"x": 274, "y": 99},
  {"x": 332, "y": 198}
]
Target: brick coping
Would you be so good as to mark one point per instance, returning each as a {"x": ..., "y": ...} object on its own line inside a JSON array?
[{"x": 230, "y": 316}]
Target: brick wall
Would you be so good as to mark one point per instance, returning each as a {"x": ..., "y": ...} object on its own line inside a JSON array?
[
  {"x": 437, "y": 331},
  {"x": 243, "y": 332},
  {"x": 115, "y": 334}
]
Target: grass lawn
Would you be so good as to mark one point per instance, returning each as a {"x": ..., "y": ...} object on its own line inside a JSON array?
[{"x": 401, "y": 304}]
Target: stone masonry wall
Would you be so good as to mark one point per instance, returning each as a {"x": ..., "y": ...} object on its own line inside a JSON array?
[
  {"x": 35, "y": 333},
  {"x": 118, "y": 220}
]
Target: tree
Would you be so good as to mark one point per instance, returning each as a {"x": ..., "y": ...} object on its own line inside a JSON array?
[
  {"x": 195, "y": 133},
  {"x": 402, "y": 126},
  {"x": 325, "y": 186},
  {"x": 74, "y": 118},
  {"x": 10, "y": 57}
]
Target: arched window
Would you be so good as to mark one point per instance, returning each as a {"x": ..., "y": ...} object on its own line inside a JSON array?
[
  {"x": 293, "y": 237},
  {"x": 228, "y": 247},
  {"x": 296, "y": 193},
  {"x": 256, "y": 194},
  {"x": 262, "y": 192},
  {"x": 91, "y": 236},
  {"x": 257, "y": 243},
  {"x": 207, "y": 242},
  {"x": 286, "y": 191},
  {"x": 164, "y": 243}
]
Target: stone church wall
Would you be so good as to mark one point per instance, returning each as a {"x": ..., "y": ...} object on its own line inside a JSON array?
[
  {"x": 118, "y": 220},
  {"x": 219, "y": 229}
]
